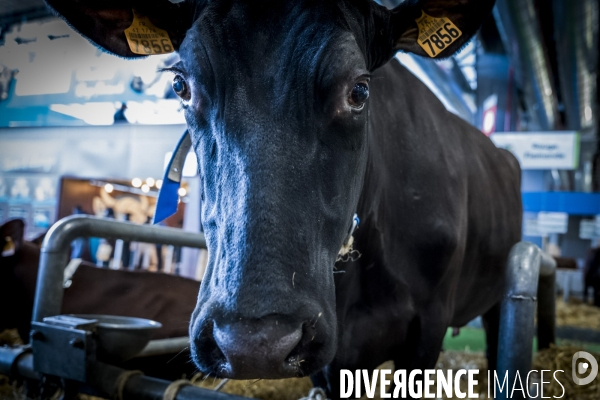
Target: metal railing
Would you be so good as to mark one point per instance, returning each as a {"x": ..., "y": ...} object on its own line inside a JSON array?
[
  {"x": 55, "y": 252},
  {"x": 531, "y": 277}
]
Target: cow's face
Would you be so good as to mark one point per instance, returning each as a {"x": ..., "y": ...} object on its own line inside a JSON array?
[
  {"x": 278, "y": 118},
  {"x": 275, "y": 94}
]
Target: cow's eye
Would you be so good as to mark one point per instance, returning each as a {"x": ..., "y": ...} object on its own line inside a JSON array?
[
  {"x": 359, "y": 94},
  {"x": 181, "y": 88}
]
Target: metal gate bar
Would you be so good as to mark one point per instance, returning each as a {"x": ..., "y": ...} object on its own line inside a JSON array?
[
  {"x": 546, "y": 307},
  {"x": 106, "y": 379},
  {"x": 530, "y": 274},
  {"x": 55, "y": 252}
]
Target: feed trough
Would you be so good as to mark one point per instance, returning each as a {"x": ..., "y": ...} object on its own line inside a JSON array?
[
  {"x": 120, "y": 338},
  {"x": 117, "y": 338}
]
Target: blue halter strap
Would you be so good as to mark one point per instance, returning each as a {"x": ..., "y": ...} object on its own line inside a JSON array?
[{"x": 168, "y": 198}]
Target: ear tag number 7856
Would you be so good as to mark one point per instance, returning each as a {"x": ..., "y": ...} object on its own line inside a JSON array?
[
  {"x": 436, "y": 34},
  {"x": 145, "y": 38}
]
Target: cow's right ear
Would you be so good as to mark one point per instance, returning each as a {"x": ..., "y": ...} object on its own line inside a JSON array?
[
  {"x": 11, "y": 237},
  {"x": 104, "y": 22}
]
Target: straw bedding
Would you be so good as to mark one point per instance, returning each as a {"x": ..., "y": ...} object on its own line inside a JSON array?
[{"x": 575, "y": 313}]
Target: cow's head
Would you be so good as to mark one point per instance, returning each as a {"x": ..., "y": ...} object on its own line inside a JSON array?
[{"x": 275, "y": 94}]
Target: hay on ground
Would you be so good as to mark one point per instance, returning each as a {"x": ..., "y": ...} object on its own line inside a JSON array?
[{"x": 578, "y": 314}]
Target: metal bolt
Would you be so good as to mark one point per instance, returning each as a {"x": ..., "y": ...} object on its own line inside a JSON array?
[
  {"x": 37, "y": 335},
  {"x": 77, "y": 343}
]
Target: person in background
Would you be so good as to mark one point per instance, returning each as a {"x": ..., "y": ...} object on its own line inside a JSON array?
[
  {"x": 105, "y": 248},
  {"x": 126, "y": 255},
  {"x": 119, "y": 117},
  {"x": 145, "y": 255},
  {"x": 80, "y": 247}
]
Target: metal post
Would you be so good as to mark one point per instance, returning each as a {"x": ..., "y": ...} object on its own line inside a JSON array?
[
  {"x": 54, "y": 254},
  {"x": 515, "y": 342},
  {"x": 546, "y": 309}
]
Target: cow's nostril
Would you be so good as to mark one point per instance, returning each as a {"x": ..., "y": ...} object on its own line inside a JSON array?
[
  {"x": 259, "y": 349},
  {"x": 207, "y": 350}
]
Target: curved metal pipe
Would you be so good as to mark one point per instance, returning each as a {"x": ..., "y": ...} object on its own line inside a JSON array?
[
  {"x": 530, "y": 275},
  {"x": 576, "y": 37},
  {"x": 547, "y": 264},
  {"x": 515, "y": 345},
  {"x": 521, "y": 34},
  {"x": 165, "y": 346},
  {"x": 54, "y": 255}
]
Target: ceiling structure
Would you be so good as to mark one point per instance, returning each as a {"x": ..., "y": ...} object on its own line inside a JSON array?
[
  {"x": 16, "y": 11},
  {"x": 12, "y": 7}
]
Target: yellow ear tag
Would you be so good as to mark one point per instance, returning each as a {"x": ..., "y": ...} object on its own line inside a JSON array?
[
  {"x": 145, "y": 38},
  {"x": 435, "y": 34},
  {"x": 9, "y": 247}
]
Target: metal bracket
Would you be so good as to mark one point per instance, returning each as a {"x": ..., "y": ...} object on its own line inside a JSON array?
[{"x": 63, "y": 347}]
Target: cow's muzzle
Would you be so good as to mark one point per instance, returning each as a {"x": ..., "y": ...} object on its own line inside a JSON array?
[{"x": 265, "y": 348}]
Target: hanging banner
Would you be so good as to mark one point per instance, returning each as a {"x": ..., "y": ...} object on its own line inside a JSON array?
[{"x": 541, "y": 150}]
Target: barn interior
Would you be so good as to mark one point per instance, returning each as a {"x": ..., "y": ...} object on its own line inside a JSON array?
[{"x": 88, "y": 135}]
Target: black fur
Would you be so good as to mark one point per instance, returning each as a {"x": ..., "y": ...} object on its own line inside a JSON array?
[{"x": 285, "y": 162}]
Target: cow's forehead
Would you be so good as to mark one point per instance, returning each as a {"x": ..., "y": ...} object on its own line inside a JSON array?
[{"x": 269, "y": 35}]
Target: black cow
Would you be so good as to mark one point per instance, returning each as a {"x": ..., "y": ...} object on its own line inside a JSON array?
[
  {"x": 592, "y": 276},
  {"x": 289, "y": 145}
]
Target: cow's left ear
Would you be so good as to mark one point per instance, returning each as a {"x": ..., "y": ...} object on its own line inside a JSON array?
[
  {"x": 104, "y": 22},
  {"x": 429, "y": 28},
  {"x": 11, "y": 237}
]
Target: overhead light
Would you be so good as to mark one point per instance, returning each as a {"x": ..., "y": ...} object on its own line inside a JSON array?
[
  {"x": 108, "y": 188},
  {"x": 181, "y": 192},
  {"x": 145, "y": 188},
  {"x": 136, "y": 182},
  {"x": 158, "y": 183},
  {"x": 150, "y": 182}
]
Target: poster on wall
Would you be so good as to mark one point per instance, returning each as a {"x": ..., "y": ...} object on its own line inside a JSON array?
[
  {"x": 42, "y": 218},
  {"x": 30, "y": 197},
  {"x": 22, "y": 211},
  {"x": 541, "y": 150}
]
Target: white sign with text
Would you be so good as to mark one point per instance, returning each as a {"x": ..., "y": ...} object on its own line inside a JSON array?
[
  {"x": 539, "y": 150},
  {"x": 552, "y": 222}
]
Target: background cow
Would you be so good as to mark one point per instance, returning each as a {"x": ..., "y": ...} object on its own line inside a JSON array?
[
  {"x": 289, "y": 146},
  {"x": 592, "y": 276},
  {"x": 165, "y": 298}
]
